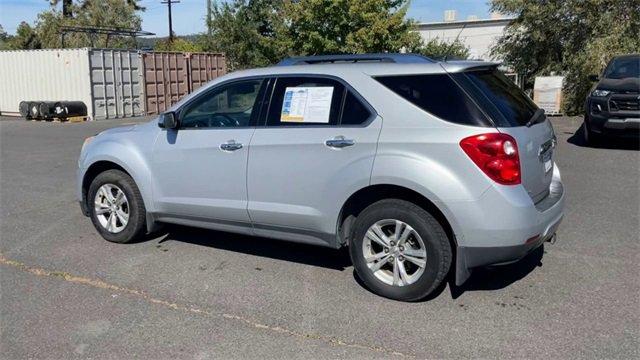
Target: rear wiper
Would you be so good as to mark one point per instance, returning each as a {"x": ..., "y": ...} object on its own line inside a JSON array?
[{"x": 537, "y": 117}]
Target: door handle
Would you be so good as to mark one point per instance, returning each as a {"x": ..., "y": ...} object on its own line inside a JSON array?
[
  {"x": 230, "y": 145},
  {"x": 339, "y": 142}
]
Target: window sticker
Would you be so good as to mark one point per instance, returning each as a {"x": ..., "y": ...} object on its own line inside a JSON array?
[{"x": 307, "y": 104}]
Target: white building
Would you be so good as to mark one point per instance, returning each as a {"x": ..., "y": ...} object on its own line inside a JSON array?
[{"x": 477, "y": 34}]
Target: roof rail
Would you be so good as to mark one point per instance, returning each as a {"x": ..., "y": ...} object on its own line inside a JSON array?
[{"x": 354, "y": 58}]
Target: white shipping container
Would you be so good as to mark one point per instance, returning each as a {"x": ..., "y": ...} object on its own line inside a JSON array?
[
  {"x": 109, "y": 82},
  {"x": 52, "y": 74}
]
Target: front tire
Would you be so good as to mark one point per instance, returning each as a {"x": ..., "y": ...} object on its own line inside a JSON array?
[
  {"x": 116, "y": 207},
  {"x": 590, "y": 137},
  {"x": 399, "y": 250}
]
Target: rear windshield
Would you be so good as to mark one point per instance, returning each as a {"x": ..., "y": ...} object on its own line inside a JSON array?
[
  {"x": 497, "y": 96},
  {"x": 438, "y": 95}
]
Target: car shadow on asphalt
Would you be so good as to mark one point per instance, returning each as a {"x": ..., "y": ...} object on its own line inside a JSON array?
[
  {"x": 259, "y": 246},
  {"x": 482, "y": 279},
  {"x": 498, "y": 277},
  {"x": 610, "y": 143}
]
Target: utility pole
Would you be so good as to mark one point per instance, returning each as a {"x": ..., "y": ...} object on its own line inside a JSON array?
[
  {"x": 208, "y": 17},
  {"x": 169, "y": 2}
]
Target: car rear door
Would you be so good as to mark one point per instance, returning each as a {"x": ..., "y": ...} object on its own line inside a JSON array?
[{"x": 311, "y": 154}]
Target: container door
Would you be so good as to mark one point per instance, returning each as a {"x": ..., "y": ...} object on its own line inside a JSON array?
[
  {"x": 127, "y": 87},
  {"x": 204, "y": 68},
  {"x": 166, "y": 80},
  {"x": 102, "y": 84}
]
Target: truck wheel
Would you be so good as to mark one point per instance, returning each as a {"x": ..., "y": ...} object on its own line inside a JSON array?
[
  {"x": 399, "y": 250},
  {"x": 116, "y": 207},
  {"x": 589, "y": 137}
]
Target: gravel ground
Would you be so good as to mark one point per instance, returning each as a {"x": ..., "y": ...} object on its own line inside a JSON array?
[{"x": 189, "y": 293}]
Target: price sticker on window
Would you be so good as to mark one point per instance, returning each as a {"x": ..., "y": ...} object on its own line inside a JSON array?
[{"x": 307, "y": 104}]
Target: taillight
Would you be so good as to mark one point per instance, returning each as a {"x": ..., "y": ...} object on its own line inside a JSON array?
[{"x": 496, "y": 155}]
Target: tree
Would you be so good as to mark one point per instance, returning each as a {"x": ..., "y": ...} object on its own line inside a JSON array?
[
  {"x": 4, "y": 38},
  {"x": 178, "y": 44},
  {"x": 104, "y": 13},
  {"x": 25, "y": 38},
  {"x": 67, "y": 6},
  {"x": 349, "y": 26},
  {"x": 440, "y": 49},
  {"x": 262, "y": 32},
  {"x": 245, "y": 30},
  {"x": 575, "y": 38}
]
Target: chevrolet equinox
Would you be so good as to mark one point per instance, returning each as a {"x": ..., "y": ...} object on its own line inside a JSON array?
[{"x": 419, "y": 167}]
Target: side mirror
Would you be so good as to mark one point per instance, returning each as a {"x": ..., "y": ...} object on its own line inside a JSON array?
[
  {"x": 168, "y": 120},
  {"x": 593, "y": 78}
]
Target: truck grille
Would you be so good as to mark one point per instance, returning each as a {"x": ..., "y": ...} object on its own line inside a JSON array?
[{"x": 619, "y": 102}]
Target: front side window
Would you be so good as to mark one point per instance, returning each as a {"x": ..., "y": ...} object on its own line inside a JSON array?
[
  {"x": 300, "y": 101},
  {"x": 228, "y": 106}
]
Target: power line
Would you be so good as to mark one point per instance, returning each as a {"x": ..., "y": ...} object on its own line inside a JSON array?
[{"x": 169, "y": 3}]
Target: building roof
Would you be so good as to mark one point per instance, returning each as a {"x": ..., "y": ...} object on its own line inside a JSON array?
[{"x": 467, "y": 23}]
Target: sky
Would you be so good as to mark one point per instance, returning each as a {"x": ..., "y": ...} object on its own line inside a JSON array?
[{"x": 188, "y": 15}]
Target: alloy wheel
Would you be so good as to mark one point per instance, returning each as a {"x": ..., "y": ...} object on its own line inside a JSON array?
[
  {"x": 112, "y": 208},
  {"x": 394, "y": 252}
]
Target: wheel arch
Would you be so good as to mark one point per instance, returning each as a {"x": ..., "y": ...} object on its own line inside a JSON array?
[
  {"x": 362, "y": 198},
  {"x": 366, "y": 196},
  {"x": 92, "y": 172},
  {"x": 101, "y": 165}
]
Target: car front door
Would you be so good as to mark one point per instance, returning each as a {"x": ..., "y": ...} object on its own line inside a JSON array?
[
  {"x": 200, "y": 168},
  {"x": 309, "y": 157}
]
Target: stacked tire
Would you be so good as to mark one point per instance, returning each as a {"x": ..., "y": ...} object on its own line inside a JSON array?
[
  {"x": 34, "y": 110},
  {"x": 48, "y": 110},
  {"x": 25, "y": 109}
]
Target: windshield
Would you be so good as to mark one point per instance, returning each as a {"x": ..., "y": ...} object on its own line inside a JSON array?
[{"x": 621, "y": 68}]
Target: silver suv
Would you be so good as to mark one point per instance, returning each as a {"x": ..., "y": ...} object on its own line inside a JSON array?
[{"x": 419, "y": 167}]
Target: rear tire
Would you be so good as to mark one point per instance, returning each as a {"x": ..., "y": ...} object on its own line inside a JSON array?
[
  {"x": 116, "y": 207},
  {"x": 426, "y": 237}
]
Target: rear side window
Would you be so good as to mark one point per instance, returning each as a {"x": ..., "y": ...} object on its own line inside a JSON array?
[
  {"x": 354, "y": 111},
  {"x": 300, "y": 101},
  {"x": 506, "y": 104},
  {"x": 439, "y": 95}
]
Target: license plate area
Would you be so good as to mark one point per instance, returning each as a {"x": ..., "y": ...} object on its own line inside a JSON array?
[{"x": 546, "y": 155}]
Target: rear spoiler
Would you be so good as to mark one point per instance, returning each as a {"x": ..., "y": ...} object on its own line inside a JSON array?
[{"x": 459, "y": 66}]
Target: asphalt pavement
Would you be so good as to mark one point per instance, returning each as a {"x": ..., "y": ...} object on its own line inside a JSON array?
[{"x": 197, "y": 294}]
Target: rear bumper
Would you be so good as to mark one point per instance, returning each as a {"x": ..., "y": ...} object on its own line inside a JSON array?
[
  {"x": 504, "y": 225},
  {"x": 472, "y": 257}
]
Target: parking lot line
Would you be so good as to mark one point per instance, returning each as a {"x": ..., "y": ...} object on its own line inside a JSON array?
[{"x": 189, "y": 308}]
